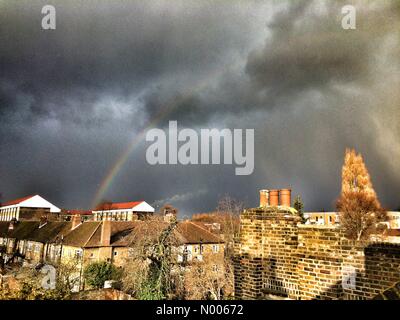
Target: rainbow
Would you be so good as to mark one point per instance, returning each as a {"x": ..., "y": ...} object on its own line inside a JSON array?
[
  {"x": 121, "y": 160},
  {"x": 124, "y": 156}
]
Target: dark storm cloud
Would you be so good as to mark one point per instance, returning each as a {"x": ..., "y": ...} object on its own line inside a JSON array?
[
  {"x": 72, "y": 99},
  {"x": 119, "y": 48}
]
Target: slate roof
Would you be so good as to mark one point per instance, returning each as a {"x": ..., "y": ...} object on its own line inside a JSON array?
[
  {"x": 31, "y": 230},
  {"x": 79, "y": 236},
  {"x": 88, "y": 234},
  {"x": 191, "y": 233},
  {"x": 119, "y": 232}
]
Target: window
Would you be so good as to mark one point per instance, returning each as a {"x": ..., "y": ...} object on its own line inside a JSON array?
[
  {"x": 37, "y": 248},
  {"x": 78, "y": 254},
  {"x": 215, "y": 268},
  {"x": 215, "y": 248},
  {"x": 29, "y": 246},
  {"x": 115, "y": 253}
]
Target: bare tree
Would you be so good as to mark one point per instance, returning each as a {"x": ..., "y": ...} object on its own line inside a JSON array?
[
  {"x": 151, "y": 271},
  {"x": 209, "y": 280},
  {"x": 229, "y": 211}
]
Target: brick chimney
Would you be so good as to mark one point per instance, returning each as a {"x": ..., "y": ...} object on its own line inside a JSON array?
[
  {"x": 76, "y": 221},
  {"x": 105, "y": 233},
  {"x": 274, "y": 198},
  {"x": 170, "y": 213},
  {"x": 285, "y": 197}
]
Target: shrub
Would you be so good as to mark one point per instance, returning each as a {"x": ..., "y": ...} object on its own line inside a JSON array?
[{"x": 97, "y": 273}]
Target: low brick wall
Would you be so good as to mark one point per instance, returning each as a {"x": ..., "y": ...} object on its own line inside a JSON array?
[{"x": 274, "y": 254}]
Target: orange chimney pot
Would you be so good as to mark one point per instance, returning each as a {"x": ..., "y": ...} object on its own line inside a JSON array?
[
  {"x": 274, "y": 198},
  {"x": 285, "y": 197}
]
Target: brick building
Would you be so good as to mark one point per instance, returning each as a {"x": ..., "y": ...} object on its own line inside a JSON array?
[{"x": 277, "y": 255}]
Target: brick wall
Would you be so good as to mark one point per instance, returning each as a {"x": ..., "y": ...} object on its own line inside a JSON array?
[{"x": 274, "y": 254}]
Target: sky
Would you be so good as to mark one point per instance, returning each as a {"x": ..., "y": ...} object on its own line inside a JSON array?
[{"x": 75, "y": 101}]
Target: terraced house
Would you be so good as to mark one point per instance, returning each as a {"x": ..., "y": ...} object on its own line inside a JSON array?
[{"x": 34, "y": 242}]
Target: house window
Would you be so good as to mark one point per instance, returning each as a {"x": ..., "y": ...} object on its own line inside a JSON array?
[
  {"x": 215, "y": 268},
  {"x": 115, "y": 253},
  {"x": 37, "y": 247},
  {"x": 29, "y": 246},
  {"x": 215, "y": 248},
  {"x": 78, "y": 254}
]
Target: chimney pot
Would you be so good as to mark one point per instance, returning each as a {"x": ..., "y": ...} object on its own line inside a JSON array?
[
  {"x": 285, "y": 197},
  {"x": 274, "y": 198}
]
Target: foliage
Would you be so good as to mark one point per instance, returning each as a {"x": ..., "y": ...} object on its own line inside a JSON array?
[
  {"x": 299, "y": 206},
  {"x": 28, "y": 286},
  {"x": 358, "y": 205},
  {"x": 97, "y": 273},
  {"x": 360, "y": 214}
]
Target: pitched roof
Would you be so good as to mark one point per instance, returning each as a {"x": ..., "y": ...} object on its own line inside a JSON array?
[
  {"x": 118, "y": 205},
  {"x": 124, "y": 233},
  {"x": 33, "y": 231},
  {"x": 50, "y": 232},
  {"x": 16, "y": 201},
  {"x": 189, "y": 233},
  {"x": 88, "y": 234},
  {"x": 79, "y": 236},
  {"x": 119, "y": 232}
]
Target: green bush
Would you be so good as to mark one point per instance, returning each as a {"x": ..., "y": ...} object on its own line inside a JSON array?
[{"x": 97, "y": 273}]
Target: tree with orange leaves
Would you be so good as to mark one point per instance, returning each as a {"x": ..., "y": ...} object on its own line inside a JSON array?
[{"x": 358, "y": 205}]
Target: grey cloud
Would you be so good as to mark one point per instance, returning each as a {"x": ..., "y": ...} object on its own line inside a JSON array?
[{"x": 72, "y": 100}]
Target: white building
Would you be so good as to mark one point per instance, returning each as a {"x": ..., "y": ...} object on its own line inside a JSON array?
[
  {"x": 394, "y": 219},
  {"x": 322, "y": 218},
  {"x": 13, "y": 209},
  {"x": 123, "y": 211}
]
